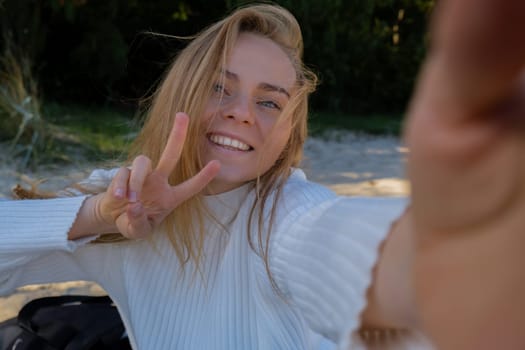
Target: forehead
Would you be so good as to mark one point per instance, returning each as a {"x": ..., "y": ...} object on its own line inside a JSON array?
[{"x": 259, "y": 59}]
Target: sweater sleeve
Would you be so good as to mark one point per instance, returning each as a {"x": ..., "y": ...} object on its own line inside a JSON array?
[
  {"x": 31, "y": 230},
  {"x": 32, "y": 226},
  {"x": 323, "y": 260},
  {"x": 34, "y": 245}
]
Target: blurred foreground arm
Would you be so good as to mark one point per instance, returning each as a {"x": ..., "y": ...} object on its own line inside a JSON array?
[{"x": 466, "y": 132}]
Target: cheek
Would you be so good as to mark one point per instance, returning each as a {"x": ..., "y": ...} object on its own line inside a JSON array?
[
  {"x": 276, "y": 139},
  {"x": 205, "y": 124},
  {"x": 206, "y": 120},
  {"x": 282, "y": 135},
  {"x": 208, "y": 113},
  {"x": 274, "y": 129}
]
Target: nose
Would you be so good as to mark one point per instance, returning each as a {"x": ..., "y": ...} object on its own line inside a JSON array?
[{"x": 240, "y": 110}]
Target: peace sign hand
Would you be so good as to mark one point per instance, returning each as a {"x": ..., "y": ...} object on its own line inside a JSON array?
[{"x": 140, "y": 198}]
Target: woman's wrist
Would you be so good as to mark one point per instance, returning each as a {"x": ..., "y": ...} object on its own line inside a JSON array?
[{"x": 90, "y": 221}]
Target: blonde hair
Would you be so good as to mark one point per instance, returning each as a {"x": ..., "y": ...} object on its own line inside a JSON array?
[{"x": 188, "y": 82}]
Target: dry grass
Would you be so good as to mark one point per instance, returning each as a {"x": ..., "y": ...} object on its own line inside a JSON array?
[{"x": 21, "y": 121}]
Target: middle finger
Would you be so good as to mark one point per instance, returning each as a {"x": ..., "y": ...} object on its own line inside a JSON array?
[{"x": 140, "y": 169}]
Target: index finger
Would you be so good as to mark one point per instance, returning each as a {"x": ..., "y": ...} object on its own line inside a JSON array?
[{"x": 171, "y": 154}]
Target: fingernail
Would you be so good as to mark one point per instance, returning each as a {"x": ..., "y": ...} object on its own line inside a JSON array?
[
  {"x": 119, "y": 193},
  {"x": 132, "y": 196}
]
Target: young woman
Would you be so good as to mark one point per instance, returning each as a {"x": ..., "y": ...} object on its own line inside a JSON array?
[{"x": 230, "y": 247}]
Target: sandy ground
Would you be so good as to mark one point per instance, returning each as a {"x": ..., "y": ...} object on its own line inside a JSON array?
[{"x": 350, "y": 164}]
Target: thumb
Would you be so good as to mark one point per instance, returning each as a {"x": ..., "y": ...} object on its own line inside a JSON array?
[
  {"x": 480, "y": 45},
  {"x": 195, "y": 184}
]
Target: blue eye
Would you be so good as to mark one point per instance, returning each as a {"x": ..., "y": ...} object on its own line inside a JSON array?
[
  {"x": 218, "y": 88},
  {"x": 270, "y": 104}
]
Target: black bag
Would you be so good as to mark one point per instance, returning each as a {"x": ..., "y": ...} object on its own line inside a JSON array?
[{"x": 70, "y": 322}]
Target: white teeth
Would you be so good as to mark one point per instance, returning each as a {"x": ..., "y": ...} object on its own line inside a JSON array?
[{"x": 226, "y": 141}]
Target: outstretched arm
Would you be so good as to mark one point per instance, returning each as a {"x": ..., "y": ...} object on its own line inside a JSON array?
[
  {"x": 466, "y": 132},
  {"x": 452, "y": 267}
]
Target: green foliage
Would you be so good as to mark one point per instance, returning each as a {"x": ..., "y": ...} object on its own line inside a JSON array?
[
  {"x": 373, "y": 124},
  {"x": 22, "y": 26},
  {"x": 182, "y": 13},
  {"x": 98, "y": 133},
  {"x": 366, "y": 53}
]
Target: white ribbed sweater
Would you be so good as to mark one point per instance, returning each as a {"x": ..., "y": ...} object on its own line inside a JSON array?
[{"x": 321, "y": 255}]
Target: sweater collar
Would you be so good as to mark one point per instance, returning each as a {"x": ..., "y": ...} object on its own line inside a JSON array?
[{"x": 225, "y": 205}]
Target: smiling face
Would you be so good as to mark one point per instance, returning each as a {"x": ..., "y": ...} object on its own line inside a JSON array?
[{"x": 243, "y": 123}]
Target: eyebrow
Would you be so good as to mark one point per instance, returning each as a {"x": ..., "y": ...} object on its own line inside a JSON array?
[{"x": 262, "y": 86}]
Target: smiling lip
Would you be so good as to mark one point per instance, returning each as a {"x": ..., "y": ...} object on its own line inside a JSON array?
[{"x": 228, "y": 142}]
